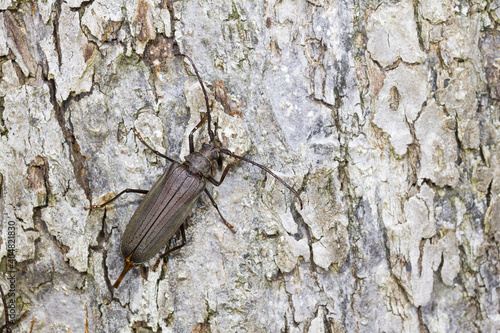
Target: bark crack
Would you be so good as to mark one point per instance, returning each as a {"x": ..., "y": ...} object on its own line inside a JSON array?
[
  {"x": 76, "y": 157},
  {"x": 57, "y": 41}
]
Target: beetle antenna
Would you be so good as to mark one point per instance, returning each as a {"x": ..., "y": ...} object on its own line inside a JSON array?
[
  {"x": 209, "y": 118},
  {"x": 227, "y": 152},
  {"x": 127, "y": 265},
  {"x": 9, "y": 323},
  {"x": 6, "y": 326}
]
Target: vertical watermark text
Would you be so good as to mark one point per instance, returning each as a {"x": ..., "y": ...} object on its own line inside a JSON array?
[{"x": 11, "y": 273}]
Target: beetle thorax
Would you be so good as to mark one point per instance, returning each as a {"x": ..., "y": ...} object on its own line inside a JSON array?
[{"x": 204, "y": 161}]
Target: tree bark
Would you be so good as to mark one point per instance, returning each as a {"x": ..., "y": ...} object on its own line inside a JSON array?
[{"x": 384, "y": 115}]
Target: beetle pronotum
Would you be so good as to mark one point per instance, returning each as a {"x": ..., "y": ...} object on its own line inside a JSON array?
[{"x": 165, "y": 207}]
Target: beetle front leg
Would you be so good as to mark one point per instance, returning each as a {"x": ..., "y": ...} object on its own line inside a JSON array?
[
  {"x": 128, "y": 190},
  {"x": 217, "y": 183},
  {"x": 226, "y": 170},
  {"x": 229, "y": 225}
]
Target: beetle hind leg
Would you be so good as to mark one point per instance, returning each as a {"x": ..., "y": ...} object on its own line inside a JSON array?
[{"x": 183, "y": 234}]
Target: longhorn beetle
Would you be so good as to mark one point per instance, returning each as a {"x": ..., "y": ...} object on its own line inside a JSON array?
[{"x": 165, "y": 207}]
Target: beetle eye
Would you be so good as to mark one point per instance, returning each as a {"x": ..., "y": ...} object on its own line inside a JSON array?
[{"x": 205, "y": 145}]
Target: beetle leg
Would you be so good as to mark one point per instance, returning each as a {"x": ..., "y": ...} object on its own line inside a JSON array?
[
  {"x": 138, "y": 135},
  {"x": 183, "y": 234},
  {"x": 217, "y": 183},
  {"x": 229, "y": 225},
  {"x": 191, "y": 143},
  {"x": 128, "y": 190}
]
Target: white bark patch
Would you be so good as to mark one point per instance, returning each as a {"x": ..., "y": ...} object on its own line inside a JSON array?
[
  {"x": 102, "y": 18},
  {"x": 74, "y": 3},
  {"x": 290, "y": 251},
  {"x": 391, "y": 35},
  {"x": 451, "y": 259},
  {"x": 231, "y": 132},
  {"x": 4, "y": 4},
  {"x": 492, "y": 219},
  {"x": 323, "y": 256},
  {"x": 4, "y": 50},
  {"x": 318, "y": 323},
  {"x": 436, "y": 11},
  {"x": 151, "y": 129},
  {"x": 459, "y": 97},
  {"x": 398, "y": 104},
  {"x": 68, "y": 310},
  {"x": 460, "y": 41},
  {"x": 74, "y": 75},
  {"x": 437, "y": 145},
  {"x": 416, "y": 254}
]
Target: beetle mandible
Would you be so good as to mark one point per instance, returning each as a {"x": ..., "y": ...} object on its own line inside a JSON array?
[{"x": 166, "y": 206}]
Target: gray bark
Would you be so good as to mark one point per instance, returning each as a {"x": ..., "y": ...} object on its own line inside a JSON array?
[{"x": 382, "y": 114}]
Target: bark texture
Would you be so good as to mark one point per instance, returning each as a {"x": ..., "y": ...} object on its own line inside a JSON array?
[{"x": 383, "y": 114}]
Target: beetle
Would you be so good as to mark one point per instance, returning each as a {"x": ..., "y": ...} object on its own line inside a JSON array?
[{"x": 166, "y": 206}]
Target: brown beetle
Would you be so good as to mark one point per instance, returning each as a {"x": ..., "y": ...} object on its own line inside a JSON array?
[{"x": 165, "y": 207}]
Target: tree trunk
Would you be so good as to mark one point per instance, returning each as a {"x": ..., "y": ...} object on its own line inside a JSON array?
[{"x": 383, "y": 115}]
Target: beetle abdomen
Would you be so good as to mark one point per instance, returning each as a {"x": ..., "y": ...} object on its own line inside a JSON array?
[{"x": 161, "y": 213}]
